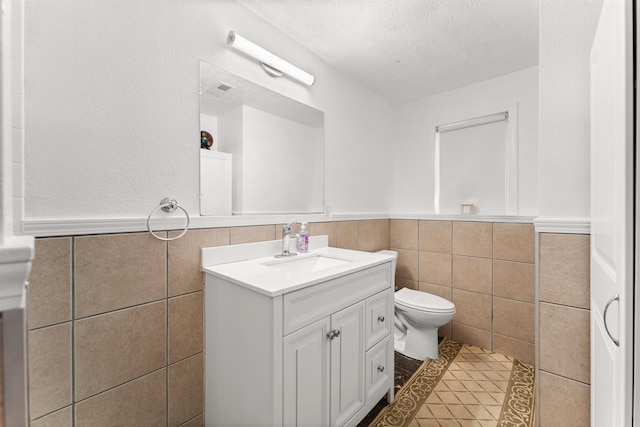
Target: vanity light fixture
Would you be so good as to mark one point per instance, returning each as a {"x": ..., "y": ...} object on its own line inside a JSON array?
[{"x": 272, "y": 64}]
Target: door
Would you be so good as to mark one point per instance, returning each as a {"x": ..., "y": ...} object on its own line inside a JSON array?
[
  {"x": 306, "y": 376},
  {"x": 347, "y": 363},
  {"x": 612, "y": 201}
]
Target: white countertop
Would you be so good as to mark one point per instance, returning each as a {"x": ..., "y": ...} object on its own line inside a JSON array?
[{"x": 255, "y": 274}]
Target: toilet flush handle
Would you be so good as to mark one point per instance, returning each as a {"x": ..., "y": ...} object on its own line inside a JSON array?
[{"x": 381, "y": 318}]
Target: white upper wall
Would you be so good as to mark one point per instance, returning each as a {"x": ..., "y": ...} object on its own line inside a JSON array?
[
  {"x": 415, "y": 121},
  {"x": 566, "y": 35},
  {"x": 112, "y": 107}
]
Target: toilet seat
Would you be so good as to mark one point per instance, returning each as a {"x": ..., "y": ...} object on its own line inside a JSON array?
[{"x": 423, "y": 301}]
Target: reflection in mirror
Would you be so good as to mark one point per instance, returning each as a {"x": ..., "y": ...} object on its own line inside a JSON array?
[{"x": 267, "y": 154}]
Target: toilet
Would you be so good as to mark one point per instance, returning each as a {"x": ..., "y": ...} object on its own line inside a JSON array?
[{"x": 418, "y": 315}]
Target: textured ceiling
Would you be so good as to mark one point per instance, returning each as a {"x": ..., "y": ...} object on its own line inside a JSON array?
[{"x": 408, "y": 49}]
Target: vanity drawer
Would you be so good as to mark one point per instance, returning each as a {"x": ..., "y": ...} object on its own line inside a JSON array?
[
  {"x": 379, "y": 366},
  {"x": 379, "y": 316},
  {"x": 305, "y": 306}
]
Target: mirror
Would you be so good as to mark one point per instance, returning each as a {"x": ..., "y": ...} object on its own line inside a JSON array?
[{"x": 261, "y": 152}]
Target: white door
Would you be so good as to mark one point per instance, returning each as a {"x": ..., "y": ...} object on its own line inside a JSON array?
[
  {"x": 306, "y": 376},
  {"x": 347, "y": 363},
  {"x": 612, "y": 201}
]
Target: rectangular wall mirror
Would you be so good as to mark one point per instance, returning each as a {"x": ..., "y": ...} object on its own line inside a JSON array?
[{"x": 261, "y": 152}]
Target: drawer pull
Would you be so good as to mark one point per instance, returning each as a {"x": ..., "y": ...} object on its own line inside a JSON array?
[
  {"x": 334, "y": 333},
  {"x": 381, "y": 318},
  {"x": 380, "y": 368}
]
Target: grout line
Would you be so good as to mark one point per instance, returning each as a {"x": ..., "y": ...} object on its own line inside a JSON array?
[
  {"x": 73, "y": 331},
  {"x": 191, "y": 419},
  {"x": 185, "y": 358},
  {"x": 154, "y": 371},
  {"x": 166, "y": 336},
  {"x": 54, "y": 411},
  {"x": 563, "y": 377},
  {"x": 122, "y": 309}
]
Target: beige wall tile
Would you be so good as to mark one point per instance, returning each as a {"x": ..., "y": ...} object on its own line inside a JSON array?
[
  {"x": 113, "y": 348},
  {"x": 195, "y": 422},
  {"x": 257, "y": 233},
  {"x": 564, "y": 269},
  {"x": 347, "y": 235},
  {"x": 514, "y": 242},
  {"x": 186, "y": 390},
  {"x": 473, "y": 239},
  {"x": 435, "y": 236},
  {"x": 434, "y": 268},
  {"x": 407, "y": 267},
  {"x": 472, "y": 309},
  {"x": 563, "y": 402},
  {"x": 564, "y": 341},
  {"x": 50, "y": 283},
  {"x": 441, "y": 291},
  {"x": 61, "y": 418},
  {"x": 118, "y": 271},
  {"x": 405, "y": 283},
  {"x": 514, "y": 319},
  {"x": 470, "y": 335},
  {"x": 403, "y": 234},
  {"x": 473, "y": 274},
  {"x": 186, "y": 330},
  {"x": 49, "y": 369},
  {"x": 523, "y": 351},
  {"x": 514, "y": 280},
  {"x": 373, "y": 235},
  {"x": 141, "y": 402},
  {"x": 445, "y": 330},
  {"x": 325, "y": 228},
  {"x": 185, "y": 260}
]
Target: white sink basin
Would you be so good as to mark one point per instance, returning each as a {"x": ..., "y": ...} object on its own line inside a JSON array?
[
  {"x": 307, "y": 264},
  {"x": 253, "y": 265}
]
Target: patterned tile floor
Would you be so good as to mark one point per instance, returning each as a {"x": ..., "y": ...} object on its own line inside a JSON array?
[{"x": 471, "y": 392}]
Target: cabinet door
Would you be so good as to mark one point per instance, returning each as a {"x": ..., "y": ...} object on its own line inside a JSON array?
[
  {"x": 379, "y": 369},
  {"x": 306, "y": 376},
  {"x": 379, "y": 317},
  {"x": 347, "y": 363}
]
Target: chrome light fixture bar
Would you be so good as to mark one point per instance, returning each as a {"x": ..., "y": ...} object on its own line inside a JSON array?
[{"x": 272, "y": 64}]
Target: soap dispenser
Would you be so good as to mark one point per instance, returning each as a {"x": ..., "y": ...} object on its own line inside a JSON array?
[{"x": 303, "y": 239}]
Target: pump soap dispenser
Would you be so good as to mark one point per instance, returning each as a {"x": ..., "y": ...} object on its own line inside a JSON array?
[{"x": 303, "y": 239}]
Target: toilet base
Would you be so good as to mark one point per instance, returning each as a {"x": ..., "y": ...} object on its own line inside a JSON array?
[{"x": 418, "y": 344}]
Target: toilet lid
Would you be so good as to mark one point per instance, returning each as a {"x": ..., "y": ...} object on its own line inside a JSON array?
[{"x": 423, "y": 301}]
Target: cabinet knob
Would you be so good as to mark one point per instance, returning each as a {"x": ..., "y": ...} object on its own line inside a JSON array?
[
  {"x": 380, "y": 368},
  {"x": 334, "y": 333},
  {"x": 381, "y": 318}
]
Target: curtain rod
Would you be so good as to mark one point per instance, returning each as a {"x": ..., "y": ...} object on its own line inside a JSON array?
[{"x": 483, "y": 120}]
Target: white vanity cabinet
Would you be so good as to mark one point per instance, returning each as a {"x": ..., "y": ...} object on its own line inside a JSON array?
[{"x": 320, "y": 355}]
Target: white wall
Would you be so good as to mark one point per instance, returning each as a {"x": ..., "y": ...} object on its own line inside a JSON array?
[
  {"x": 279, "y": 166},
  {"x": 112, "y": 107},
  {"x": 413, "y": 190},
  {"x": 566, "y": 35}
]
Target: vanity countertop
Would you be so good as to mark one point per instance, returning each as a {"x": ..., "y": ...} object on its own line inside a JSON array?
[{"x": 270, "y": 276}]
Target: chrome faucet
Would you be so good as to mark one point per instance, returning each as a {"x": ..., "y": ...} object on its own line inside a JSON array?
[{"x": 286, "y": 240}]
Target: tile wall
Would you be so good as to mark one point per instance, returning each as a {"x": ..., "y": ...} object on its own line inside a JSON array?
[
  {"x": 486, "y": 269},
  {"x": 116, "y": 323},
  {"x": 563, "y": 342}
]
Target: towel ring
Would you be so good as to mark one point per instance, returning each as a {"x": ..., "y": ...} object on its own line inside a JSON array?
[{"x": 168, "y": 204}]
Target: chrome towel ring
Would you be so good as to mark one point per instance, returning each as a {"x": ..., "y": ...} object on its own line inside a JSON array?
[{"x": 168, "y": 204}]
